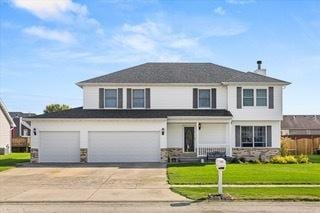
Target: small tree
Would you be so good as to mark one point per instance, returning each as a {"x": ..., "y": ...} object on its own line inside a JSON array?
[
  {"x": 284, "y": 146},
  {"x": 55, "y": 108}
]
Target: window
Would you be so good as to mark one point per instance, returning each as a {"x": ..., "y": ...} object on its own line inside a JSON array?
[
  {"x": 110, "y": 98},
  {"x": 259, "y": 136},
  {"x": 138, "y": 98},
  {"x": 247, "y": 136},
  {"x": 253, "y": 136},
  {"x": 248, "y": 97},
  {"x": 261, "y": 97},
  {"x": 204, "y": 98}
]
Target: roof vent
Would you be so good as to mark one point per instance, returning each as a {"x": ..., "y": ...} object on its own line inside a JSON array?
[{"x": 259, "y": 70}]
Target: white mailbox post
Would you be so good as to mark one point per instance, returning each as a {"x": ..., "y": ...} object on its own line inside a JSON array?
[{"x": 221, "y": 166}]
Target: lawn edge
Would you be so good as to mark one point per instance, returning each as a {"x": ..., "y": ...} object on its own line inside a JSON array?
[{"x": 294, "y": 199}]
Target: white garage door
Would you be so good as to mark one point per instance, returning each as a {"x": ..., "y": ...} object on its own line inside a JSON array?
[
  {"x": 124, "y": 147},
  {"x": 59, "y": 147}
]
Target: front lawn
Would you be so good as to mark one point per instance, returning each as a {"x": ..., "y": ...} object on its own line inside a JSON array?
[
  {"x": 10, "y": 160},
  {"x": 245, "y": 174},
  {"x": 310, "y": 194}
]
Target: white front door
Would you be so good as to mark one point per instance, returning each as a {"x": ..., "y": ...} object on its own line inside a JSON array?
[
  {"x": 59, "y": 147},
  {"x": 124, "y": 146}
]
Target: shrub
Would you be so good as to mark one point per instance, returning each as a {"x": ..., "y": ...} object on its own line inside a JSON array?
[
  {"x": 291, "y": 159},
  {"x": 303, "y": 159},
  {"x": 235, "y": 160},
  {"x": 242, "y": 159},
  {"x": 278, "y": 159},
  {"x": 284, "y": 147}
]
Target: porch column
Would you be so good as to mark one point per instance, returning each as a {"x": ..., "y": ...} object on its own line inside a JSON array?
[
  {"x": 229, "y": 142},
  {"x": 197, "y": 138}
]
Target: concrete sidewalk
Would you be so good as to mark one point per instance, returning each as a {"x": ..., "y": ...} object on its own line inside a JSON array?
[{"x": 251, "y": 186}]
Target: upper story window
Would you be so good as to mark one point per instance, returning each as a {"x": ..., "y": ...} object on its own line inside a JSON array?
[
  {"x": 138, "y": 98},
  {"x": 110, "y": 98},
  {"x": 248, "y": 99},
  {"x": 261, "y": 99},
  {"x": 204, "y": 98},
  {"x": 253, "y": 136}
]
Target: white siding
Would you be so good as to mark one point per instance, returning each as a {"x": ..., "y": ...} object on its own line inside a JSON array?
[
  {"x": 212, "y": 134},
  {"x": 275, "y": 125},
  {"x": 175, "y": 135},
  {"x": 5, "y": 133},
  {"x": 169, "y": 97},
  {"x": 255, "y": 112},
  {"x": 84, "y": 126},
  {"x": 208, "y": 134}
]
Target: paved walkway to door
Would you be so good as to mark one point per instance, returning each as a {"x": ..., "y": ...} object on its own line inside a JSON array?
[{"x": 89, "y": 182}]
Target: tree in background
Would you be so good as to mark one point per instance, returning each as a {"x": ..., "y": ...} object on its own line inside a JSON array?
[{"x": 56, "y": 108}]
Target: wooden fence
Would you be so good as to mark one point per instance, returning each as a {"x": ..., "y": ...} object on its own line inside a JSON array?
[
  {"x": 20, "y": 142},
  {"x": 306, "y": 145}
]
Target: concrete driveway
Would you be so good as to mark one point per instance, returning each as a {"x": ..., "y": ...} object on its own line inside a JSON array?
[{"x": 111, "y": 182}]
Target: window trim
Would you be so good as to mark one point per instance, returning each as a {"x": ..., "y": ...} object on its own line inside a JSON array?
[
  {"x": 104, "y": 100},
  {"x": 144, "y": 98},
  {"x": 210, "y": 99},
  {"x": 253, "y": 136}
]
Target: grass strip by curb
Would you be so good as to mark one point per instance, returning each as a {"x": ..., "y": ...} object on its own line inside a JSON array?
[{"x": 280, "y": 194}]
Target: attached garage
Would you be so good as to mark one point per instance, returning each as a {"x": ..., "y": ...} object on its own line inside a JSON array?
[
  {"x": 140, "y": 146},
  {"x": 59, "y": 147}
]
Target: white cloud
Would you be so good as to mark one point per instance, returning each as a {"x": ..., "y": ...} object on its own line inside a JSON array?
[
  {"x": 151, "y": 35},
  {"x": 136, "y": 41},
  {"x": 240, "y": 1},
  {"x": 219, "y": 11},
  {"x": 51, "y": 9},
  {"x": 48, "y": 34}
]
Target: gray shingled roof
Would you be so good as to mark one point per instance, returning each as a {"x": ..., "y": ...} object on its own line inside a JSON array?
[
  {"x": 123, "y": 113},
  {"x": 180, "y": 73},
  {"x": 306, "y": 122}
]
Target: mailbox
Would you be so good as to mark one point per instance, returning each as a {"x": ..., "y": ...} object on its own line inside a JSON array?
[{"x": 221, "y": 164}]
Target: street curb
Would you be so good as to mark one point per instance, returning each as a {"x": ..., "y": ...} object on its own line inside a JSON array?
[{"x": 94, "y": 201}]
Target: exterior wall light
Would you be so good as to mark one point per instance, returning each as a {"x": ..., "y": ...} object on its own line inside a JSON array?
[
  {"x": 199, "y": 126},
  {"x": 162, "y": 131},
  {"x": 34, "y": 131}
]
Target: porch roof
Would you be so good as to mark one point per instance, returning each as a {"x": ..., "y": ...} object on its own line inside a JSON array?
[{"x": 80, "y": 113}]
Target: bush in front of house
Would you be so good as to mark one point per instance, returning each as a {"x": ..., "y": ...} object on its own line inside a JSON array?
[
  {"x": 289, "y": 159},
  {"x": 303, "y": 159}
]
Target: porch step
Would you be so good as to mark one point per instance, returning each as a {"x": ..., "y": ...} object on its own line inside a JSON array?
[
  {"x": 189, "y": 155},
  {"x": 189, "y": 159}
]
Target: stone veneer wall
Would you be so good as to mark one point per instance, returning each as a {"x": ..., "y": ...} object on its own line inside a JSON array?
[
  {"x": 166, "y": 153},
  {"x": 34, "y": 155},
  {"x": 263, "y": 154},
  {"x": 83, "y": 155}
]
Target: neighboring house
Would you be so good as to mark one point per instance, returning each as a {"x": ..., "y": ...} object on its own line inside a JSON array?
[
  {"x": 303, "y": 132},
  {"x": 153, "y": 111},
  {"x": 300, "y": 125},
  {"x": 21, "y": 134},
  {"x": 6, "y": 124}
]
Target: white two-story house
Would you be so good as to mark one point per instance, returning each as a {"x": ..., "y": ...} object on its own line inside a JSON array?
[{"x": 153, "y": 111}]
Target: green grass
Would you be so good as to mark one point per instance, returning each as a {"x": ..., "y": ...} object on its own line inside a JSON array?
[
  {"x": 298, "y": 193},
  {"x": 245, "y": 174},
  {"x": 9, "y": 161},
  {"x": 314, "y": 158}
]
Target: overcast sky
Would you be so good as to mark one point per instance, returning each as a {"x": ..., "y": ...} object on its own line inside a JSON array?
[{"x": 47, "y": 46}]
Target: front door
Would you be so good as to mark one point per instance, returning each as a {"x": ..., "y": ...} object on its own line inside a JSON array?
[{"x": 189, "y": 139}]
